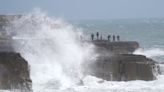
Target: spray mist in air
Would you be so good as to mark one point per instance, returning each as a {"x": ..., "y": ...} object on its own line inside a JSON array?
[{"x": 53, "y": 49}]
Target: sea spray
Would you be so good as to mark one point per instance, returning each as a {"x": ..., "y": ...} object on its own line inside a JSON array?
[
  {"x": 53, "y": 49},
  {"x": 152, "y": 52}
]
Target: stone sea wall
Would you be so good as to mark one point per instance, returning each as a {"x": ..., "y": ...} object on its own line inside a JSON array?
[
  {"x": 124, "y": 67},
  {"x": 117, "y": 63}
]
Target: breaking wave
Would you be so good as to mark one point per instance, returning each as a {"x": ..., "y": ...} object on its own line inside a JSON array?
[
  {"x": 53, "y": 49},
  {"x": 55, "y": 52},
  {"x": 153, "y": 52}
]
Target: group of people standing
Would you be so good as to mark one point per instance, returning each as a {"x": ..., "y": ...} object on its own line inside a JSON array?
[{"x": 115, "y": 38}]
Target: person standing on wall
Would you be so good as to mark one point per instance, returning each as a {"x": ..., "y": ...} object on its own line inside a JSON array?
[
  {"x": 108, "y": 37},
  {"x": 97, "y": 34},
  {"x": 113, "y": 38},
  {"x": 118, "y": 38},
  {"x": 92, "y": 36}
]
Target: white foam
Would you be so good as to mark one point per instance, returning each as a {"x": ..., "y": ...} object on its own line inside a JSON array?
[
  {"x": 153, "y": 52},
  {"x": 53, "y": 49}
]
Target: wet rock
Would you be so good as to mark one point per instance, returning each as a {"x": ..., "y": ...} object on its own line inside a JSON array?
[
  {"x": 14, "y": 69},
  {"x": 14, "y": 72}
]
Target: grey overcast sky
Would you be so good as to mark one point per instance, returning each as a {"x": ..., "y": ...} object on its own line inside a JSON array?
[{"x": 88, "y": 9}]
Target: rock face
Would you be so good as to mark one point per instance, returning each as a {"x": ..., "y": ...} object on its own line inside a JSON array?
[
  {"x": 14, "y": 69},
  {"x": 117, "y": 63},
  {"x": 14, "y": 72}
]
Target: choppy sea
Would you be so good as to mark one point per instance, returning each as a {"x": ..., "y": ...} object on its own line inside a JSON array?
[
  {"x": 55, "y": 53},
  {"x": 148, "y": 32}
]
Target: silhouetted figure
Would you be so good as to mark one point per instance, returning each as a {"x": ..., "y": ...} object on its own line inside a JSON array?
[
  {"x": 118, "y": 38},
  {"x": 101, "y": 37},
  {"x": 97, "y": 35},
  {"x": 92, "y": 37},
  {"x": 113, "y": 37},
  {"x": 108, "y": 37}
]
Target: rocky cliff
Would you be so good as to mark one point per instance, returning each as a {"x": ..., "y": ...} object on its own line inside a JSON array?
[
  {"x": 14, "y": 69},
  {"x": 14, "y": 72}
]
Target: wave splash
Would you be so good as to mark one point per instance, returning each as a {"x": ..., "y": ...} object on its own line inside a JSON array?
[
  {"x": 55, "y": 53},
  {"x": 53, "y": 49},
  {"x": 153, "y": 52}
]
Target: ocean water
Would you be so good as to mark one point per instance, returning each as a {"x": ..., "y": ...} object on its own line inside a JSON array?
[
  {"x": 55, "y": 52},
  {"x": 148, "y": 32}
]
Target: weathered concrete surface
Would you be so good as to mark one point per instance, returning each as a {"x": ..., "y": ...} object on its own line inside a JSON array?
[
  {"x": 117, "y": 63},
  {"x": 123, "y": 67},
  {"x": 119, "y": 47},
  {"x": 14, "y": 72}
]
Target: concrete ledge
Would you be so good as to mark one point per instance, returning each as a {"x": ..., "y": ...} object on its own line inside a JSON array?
[
  {"x": 120, "y": 47},
  {"x": 123, "y": 68}
]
